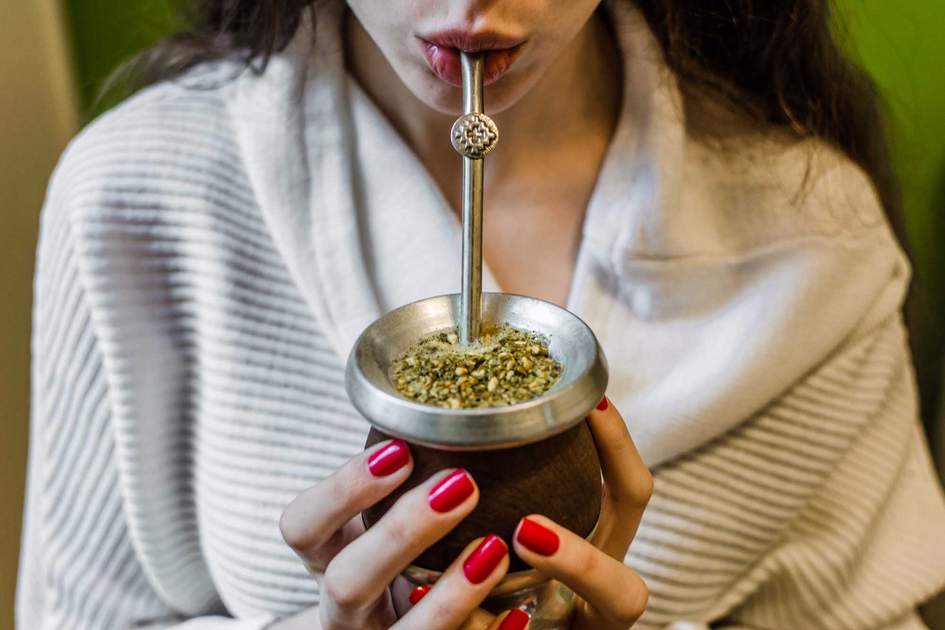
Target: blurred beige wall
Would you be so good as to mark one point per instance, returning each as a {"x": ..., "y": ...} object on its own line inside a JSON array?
[{"x": 37, "y": 117}]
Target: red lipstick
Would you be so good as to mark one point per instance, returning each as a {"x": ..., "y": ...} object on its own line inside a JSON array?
[{"x": 441, "y": 51}]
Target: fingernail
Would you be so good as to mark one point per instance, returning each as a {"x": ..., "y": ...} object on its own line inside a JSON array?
[
  {"x": 486, "y": 557},
  {"x": 602, "y": 405},
  {"x": 389, "y": 459},
  {"x": 517, "y": 619},
  {"x": 451, "y": 491},
  {"x": 537, "y": 538},
  {"x": 417, "y": 594}
]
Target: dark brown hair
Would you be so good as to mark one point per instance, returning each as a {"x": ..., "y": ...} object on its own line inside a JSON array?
[{"x": 780, "y": 63}]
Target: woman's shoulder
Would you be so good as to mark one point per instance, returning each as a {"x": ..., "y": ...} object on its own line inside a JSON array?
[
  {"x": 169, "y": 135},
  {"x": 770, "y": 185}
]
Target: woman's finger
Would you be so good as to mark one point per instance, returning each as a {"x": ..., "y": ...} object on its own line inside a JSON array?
[
  {"x": 479, "y": 619},
  {"x": 515, "y": 619},
  {"x": 315, "y": 521},
  {"x": 361, "y": 572},
  {"x": 462, "y": 587},
  {"x": 627, "y": 481},
  {"x": 317, "y": 558},
  {"x": 607, "y": 584}
]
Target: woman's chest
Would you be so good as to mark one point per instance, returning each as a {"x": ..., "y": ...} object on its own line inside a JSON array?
[{"x": 533, "y": 250}]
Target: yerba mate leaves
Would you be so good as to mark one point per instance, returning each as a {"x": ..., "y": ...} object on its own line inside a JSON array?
[{"x": 504, "y": 367}]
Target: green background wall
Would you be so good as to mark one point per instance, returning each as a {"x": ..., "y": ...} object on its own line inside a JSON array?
[
  {"x": 898, "y": 42},
  {"x": 106, "y": 32}
]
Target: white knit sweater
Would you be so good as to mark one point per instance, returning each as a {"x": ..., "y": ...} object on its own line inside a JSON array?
[{"x": 210, "y": 249}]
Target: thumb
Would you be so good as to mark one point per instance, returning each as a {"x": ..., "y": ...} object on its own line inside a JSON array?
[{"x": 515, "y": 619}]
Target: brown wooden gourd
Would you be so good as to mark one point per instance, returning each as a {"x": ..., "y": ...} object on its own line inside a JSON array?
[{"x": 558, "y": 477}]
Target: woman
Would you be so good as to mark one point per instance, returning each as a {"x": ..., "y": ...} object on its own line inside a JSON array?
[{"x": 704, "y": 183}]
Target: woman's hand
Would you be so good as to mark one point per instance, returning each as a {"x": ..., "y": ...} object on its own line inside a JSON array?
[
  {"x": 354, "y": 567},
  {"x": 611, "y": 594}
]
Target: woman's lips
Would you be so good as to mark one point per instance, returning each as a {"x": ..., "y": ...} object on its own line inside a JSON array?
[{"x": 441, "y": 52}]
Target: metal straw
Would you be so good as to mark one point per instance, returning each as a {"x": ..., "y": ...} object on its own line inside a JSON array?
[{"x": 473, "y": 135}]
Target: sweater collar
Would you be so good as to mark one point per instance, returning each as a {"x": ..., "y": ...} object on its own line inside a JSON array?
[
  {"x": 294, "y": 127},
  {"x": 709, "y": 299},
  {"x": 315, "y": 137}
]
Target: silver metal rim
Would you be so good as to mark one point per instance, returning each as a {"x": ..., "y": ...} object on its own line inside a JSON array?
[{"x": 571, "y": 342}]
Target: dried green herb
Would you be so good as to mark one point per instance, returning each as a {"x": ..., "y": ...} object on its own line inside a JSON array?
[{"x": 504, "y": 366}]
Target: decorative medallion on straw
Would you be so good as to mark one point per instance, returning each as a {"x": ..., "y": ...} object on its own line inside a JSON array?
[{"x": 474, "y": 135}]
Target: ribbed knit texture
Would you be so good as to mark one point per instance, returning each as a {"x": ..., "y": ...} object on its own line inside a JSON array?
[
  {"x": 798, "y": 518},
  {"x": 260, "y": 401},
  {"x": 184, "y": 392}
]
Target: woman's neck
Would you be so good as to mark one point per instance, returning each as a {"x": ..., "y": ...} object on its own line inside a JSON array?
[{"x": 572, "y": 109}]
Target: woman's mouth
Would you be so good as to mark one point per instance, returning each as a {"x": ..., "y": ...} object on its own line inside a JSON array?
[{"x": 441, "y": 51}]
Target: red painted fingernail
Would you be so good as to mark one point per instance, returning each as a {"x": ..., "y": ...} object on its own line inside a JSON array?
[
  {"x": 517, "y": 619},
  {"x": 602, "y": 405},
  {"x": 537, "y": 538},
  {"x": 486, "y": 557},
  {"x": 417, "y": 594},
  {"x": 389, "y": 459},
  {"x": 451, "y": 491}
]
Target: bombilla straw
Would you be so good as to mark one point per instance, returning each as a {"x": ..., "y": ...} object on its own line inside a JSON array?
[
  {"x": 473, "y": 135},
  {"x": 471, "y": 301}
]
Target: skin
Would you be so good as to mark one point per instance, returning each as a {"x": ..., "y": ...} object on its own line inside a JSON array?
[
  {"x": 569, "y": 51},
  {"x": 354, "y": 567},
  {"x": 543, "y": 137}
]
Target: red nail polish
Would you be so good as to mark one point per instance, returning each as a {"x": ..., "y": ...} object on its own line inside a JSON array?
[
  {"x": 389, "y": 459},
  {"x": 486, "y": 557},
  {"x": 603, "y": 404},
  {"x": 537, "y": 538},
  {"x": 451, "y": 491},
  {"x": 417, "y": 594},
  {"x": 517, "y": 619}
]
